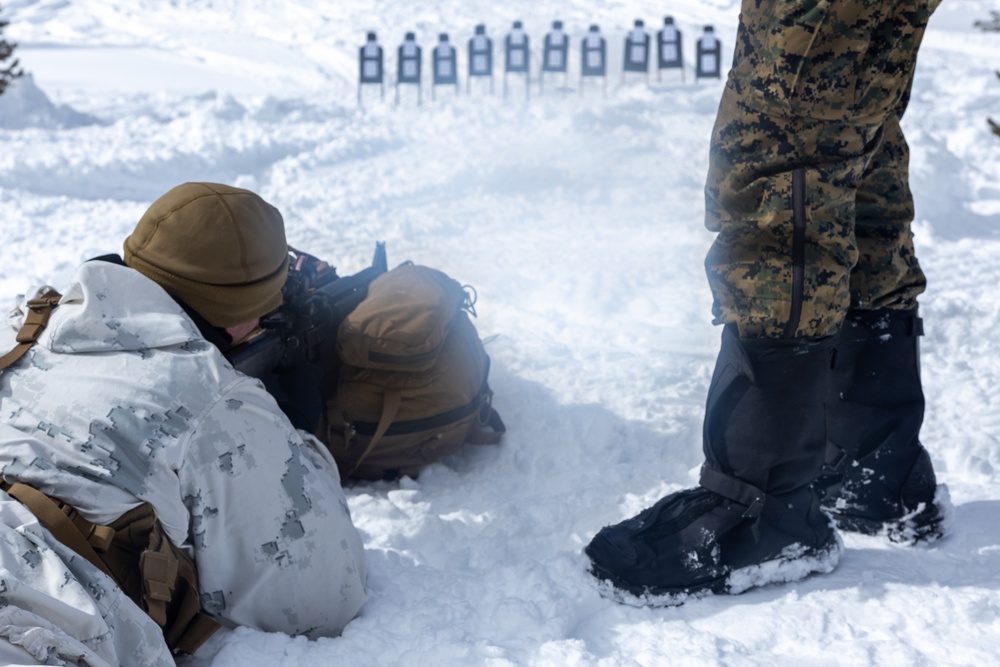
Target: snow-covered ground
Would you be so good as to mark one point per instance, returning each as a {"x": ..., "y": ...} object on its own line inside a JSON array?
[{"x": 578, "y": 219}]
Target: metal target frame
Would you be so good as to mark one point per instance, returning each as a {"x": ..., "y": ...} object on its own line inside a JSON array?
[
  {"x": 405, "y": 75},
  {"x": 548, "y": 49},
  {"x": 371, "y": 66},
  {"x": 480, "y": 53},
  {"x": 517, "y": 58},
  {"x": 589, "y": 67},
  {"x": 630, "y": 63},
  {"x": 439, "y": 75},
  {"x": 676, "y": 48}
]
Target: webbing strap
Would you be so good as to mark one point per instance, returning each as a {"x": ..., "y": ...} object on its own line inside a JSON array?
[
  {"x": 39, "y": 311},
  {"x": 48, "y": 513},
  {"x": 168, "y": 576},
  {"x": 480, "y": 402},
  {"x": 198, "y": 630},
  {"x": 836, "y": 458},
  {"x": 734, "y": 489},
  {"x": 159, "y": 577},
  {"x": 170, "y": 594},
  {"x": 390, "y": 407},
  {"x": 488, "y": 432}
]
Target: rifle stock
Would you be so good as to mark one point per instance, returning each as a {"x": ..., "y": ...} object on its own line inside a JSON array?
[{"x": 304, "y": 329}]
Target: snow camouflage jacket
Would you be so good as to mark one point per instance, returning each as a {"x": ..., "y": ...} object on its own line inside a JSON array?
[{"x": 122, "y": 401}]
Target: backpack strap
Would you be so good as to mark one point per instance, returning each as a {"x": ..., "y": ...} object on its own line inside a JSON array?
[
  {"x": 138, "y": 556},
  {"x": 75, "y": 532},
  {"x": 39, "y": 311},
  {"x": 488, "y": 431},
  {"x": 390, "y": 407}
]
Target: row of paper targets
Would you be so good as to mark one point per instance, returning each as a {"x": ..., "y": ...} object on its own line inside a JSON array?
[{"x": 642, "y": 52}]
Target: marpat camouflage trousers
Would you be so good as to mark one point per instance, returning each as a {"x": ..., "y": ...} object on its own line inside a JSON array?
[{"x": 808, "y": 177}]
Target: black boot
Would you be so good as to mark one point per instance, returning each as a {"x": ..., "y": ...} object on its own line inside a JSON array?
[
  {"x": 878, "y": 476},
  {"x": 755, "y": 518}
]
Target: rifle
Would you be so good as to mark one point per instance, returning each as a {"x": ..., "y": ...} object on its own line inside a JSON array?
[{"x": 304, "y": 329}]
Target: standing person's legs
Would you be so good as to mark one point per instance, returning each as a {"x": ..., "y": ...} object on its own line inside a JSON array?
[
  {"x": 878, "y": 476},
  {"x": 779, "y": 272},
  {"x": 799, "y": 122}
]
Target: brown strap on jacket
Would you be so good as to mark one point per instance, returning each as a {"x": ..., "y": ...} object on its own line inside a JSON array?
[
  {"x": 61, "y": 520},
  {"x": 137, "y": 554},
  {"x": 39, "y": 311}
]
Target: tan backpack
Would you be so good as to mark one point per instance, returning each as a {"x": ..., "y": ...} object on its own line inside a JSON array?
[{"x": 412, "y": 386}]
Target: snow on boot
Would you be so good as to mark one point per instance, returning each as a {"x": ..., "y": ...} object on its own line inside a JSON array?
[
  {"x": 755, "y": 518},
  {"x": 878, "y": 477}
]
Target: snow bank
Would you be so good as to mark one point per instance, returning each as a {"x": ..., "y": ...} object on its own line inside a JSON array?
[{"x": 24, "y": 105}]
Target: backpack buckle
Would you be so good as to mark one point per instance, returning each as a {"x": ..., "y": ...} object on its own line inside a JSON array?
[
  {"x": 485, "y": 407},
  {"x": 39, "y": 310}
]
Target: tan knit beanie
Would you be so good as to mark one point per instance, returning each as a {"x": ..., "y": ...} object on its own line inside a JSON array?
[{"x": 220, "y": 249}]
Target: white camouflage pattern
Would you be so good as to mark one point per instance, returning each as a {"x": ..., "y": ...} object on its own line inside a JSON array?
[
  {"x": 123, "y": 401},
  {"x": 56, "y": 608}
]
